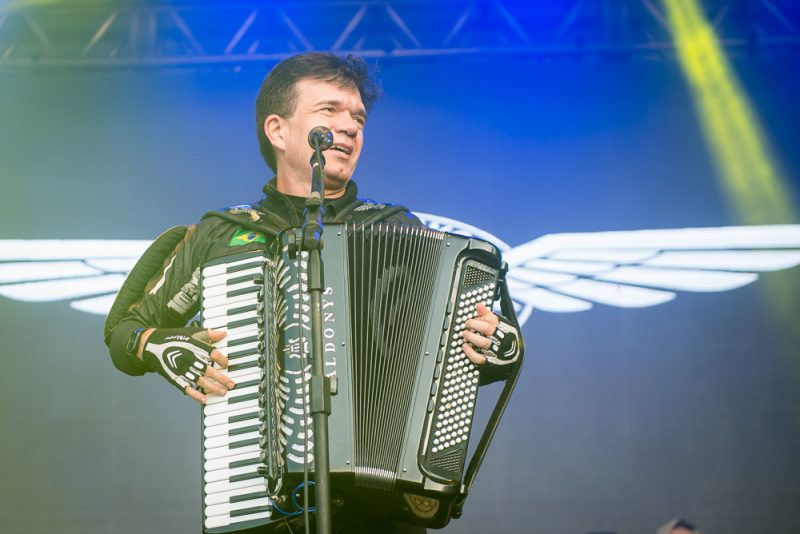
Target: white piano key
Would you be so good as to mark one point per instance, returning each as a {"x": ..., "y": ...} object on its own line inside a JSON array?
[
  {"x": 233, "y": 394},
  {"x": 226, "y": 473},
  {"x": 225, "y": 428},
  {"x": 224, "y": 497},
  {"x": 223, "y": 321},
  {"x": 233, "y": 309},
  {"x": 210, "y": 312},
  {"x": 222, "y": 418},
  {"x": 245, "y": 359},
  {"x": 224, "y": 290},
  {"x": 226, "y": 485},
  {"x": 226, "y": 520},
  {"x": 213, "y": 302},
  {"x": 224, "y": 268},
  {"x": 248, "y": 374},
  {"x": 237, "y": 333},
  {"x": 222, "y": 407},
  {"x": 236, "y": 351},
  {"x": 215, "y": 280},
  {"x": 230, "y": 396},
  {"x": 240, "y": 375},
  {"x": 225, "y": 462},
  {"x": 224, "y": 452},
  {"x": 225, "y": 440}
]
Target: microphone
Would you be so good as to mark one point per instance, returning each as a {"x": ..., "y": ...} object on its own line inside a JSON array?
[{"x": 320, "y": 137}]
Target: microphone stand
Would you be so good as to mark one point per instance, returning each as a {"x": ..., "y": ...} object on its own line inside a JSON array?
[{"x": 320, "y": 389}]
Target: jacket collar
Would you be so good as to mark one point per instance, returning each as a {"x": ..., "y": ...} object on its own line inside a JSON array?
[{"x": 291, "y": 207}]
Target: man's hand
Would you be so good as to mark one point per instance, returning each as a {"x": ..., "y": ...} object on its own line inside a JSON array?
[
  {"x": 184, "y": 356},
  {"x": 491, "y": 339}
]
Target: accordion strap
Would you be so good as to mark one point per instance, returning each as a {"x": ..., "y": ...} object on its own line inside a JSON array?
[
  {"x": 507, "y": 308},
  {"x": 267, "y": 224}
]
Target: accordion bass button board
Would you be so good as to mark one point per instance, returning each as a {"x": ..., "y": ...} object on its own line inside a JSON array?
[{"x": 395, "y": 303}]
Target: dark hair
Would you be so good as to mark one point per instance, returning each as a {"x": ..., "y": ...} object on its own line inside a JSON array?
[
  {"x": 682, "y": 523},
  {"x": 277, "y": 94}
]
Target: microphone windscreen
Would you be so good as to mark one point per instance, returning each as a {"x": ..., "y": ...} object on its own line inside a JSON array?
[{"x": 320, "y": 136}]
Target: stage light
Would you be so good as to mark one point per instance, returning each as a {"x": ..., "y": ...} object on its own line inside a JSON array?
[
  {"x": 735, "y": 137},
  {"x": 745, "y": 167}
]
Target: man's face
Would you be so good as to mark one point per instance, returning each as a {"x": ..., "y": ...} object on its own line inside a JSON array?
[{"x": 321, "y": 103}]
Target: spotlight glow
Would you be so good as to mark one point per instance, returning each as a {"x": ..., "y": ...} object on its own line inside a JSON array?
[{"x": 733, "y": 132}]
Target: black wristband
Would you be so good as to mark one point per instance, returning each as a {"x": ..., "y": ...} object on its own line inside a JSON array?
[{"x": 133, "y": 341}]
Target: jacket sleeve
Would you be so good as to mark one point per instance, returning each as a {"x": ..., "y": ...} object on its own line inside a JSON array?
[{"x": 161, "y": 291}]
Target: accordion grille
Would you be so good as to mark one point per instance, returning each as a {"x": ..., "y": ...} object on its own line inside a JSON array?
[{"x": 392, "y": 272}]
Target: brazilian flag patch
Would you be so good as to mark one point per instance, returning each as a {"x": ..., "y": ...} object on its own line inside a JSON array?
[{"x": 244, "y": 236}]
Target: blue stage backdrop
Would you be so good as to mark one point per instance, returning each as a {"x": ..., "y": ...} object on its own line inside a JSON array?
[{"x": 623, "y": 418}]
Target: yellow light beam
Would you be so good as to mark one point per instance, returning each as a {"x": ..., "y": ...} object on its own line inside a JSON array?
[{"x": 740, "y": 151}]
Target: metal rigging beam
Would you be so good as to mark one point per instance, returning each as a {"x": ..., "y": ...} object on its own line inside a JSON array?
[{"x": 169, "y": 33}]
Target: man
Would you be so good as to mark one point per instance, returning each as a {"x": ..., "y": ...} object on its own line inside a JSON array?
[{"x": 161, "y": 295}]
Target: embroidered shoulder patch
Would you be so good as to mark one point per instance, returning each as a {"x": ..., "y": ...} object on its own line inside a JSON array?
[
  {"x": 369, "y": 205},
  {"x": 243, "y": 236}
]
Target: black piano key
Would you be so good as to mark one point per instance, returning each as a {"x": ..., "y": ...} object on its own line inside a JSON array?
[
  {"x": 242, "y": 341},
  {"x": 243, "y": 309},
  {"x": 253, "y": 510},
  {"x": 241, "y": 353},
  {"x": 244, "y": 463},
  {"x": 247, "y": 384},
  {"x": 245, "y": 266},
  {"x": 243, "y": 430},
  {"x": 244, "y": 322},
  {"x": 245, "y": 476},
  {"x": 249, "y": 496},
  {"x": 243, "y": 398},
  {"x": 245, "y": 365},
  {"x": 240, "y": 279},
  {"x": 243, "y": 291},
  {"x": 243, "y": 417},
  {"x": 243, "y": 443}
]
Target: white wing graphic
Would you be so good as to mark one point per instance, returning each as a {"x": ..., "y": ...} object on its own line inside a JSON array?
[
  {"x": 87, "y": 272},
  {"x": 635, "y": 269},
  {"x": 443, "y": 224},
  {"x": 555, "y": 273}
]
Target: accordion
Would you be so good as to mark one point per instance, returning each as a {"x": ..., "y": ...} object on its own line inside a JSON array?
[{"x": 394, "y": 306}]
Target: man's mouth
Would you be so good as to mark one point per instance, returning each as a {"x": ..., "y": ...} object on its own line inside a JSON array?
[{"x": 343, "y": 149}]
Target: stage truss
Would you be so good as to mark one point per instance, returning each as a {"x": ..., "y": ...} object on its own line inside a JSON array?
[{"x": 118, "y": 34}]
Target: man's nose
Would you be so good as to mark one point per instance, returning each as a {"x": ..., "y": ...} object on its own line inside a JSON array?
[{"x": 347, "y": 125}]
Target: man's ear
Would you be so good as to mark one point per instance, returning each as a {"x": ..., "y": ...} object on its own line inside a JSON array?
[{"x": 275, "y": 130}]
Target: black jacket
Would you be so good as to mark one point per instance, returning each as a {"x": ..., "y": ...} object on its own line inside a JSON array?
[{"x": 163, "y": 289}]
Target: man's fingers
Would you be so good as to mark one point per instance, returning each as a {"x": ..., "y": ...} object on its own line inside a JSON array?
[
  {"x": 211, "y": 387},
  {"x": 477, "y": 339},
  {"x": 209, "y": 336},
  {"x": 216, "y": 335},
  {"x": 474, "y": 357},
  {"x": 196, "y": 395},
  {"x": 217, "y": 376},
  {"x": 219, "y": 358},
  {"x": 486, "y": 314},
  {"x": 478, "y": 325}
]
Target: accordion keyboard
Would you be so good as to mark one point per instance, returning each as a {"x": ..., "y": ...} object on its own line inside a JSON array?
[{"x": 233, "y": 489}]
